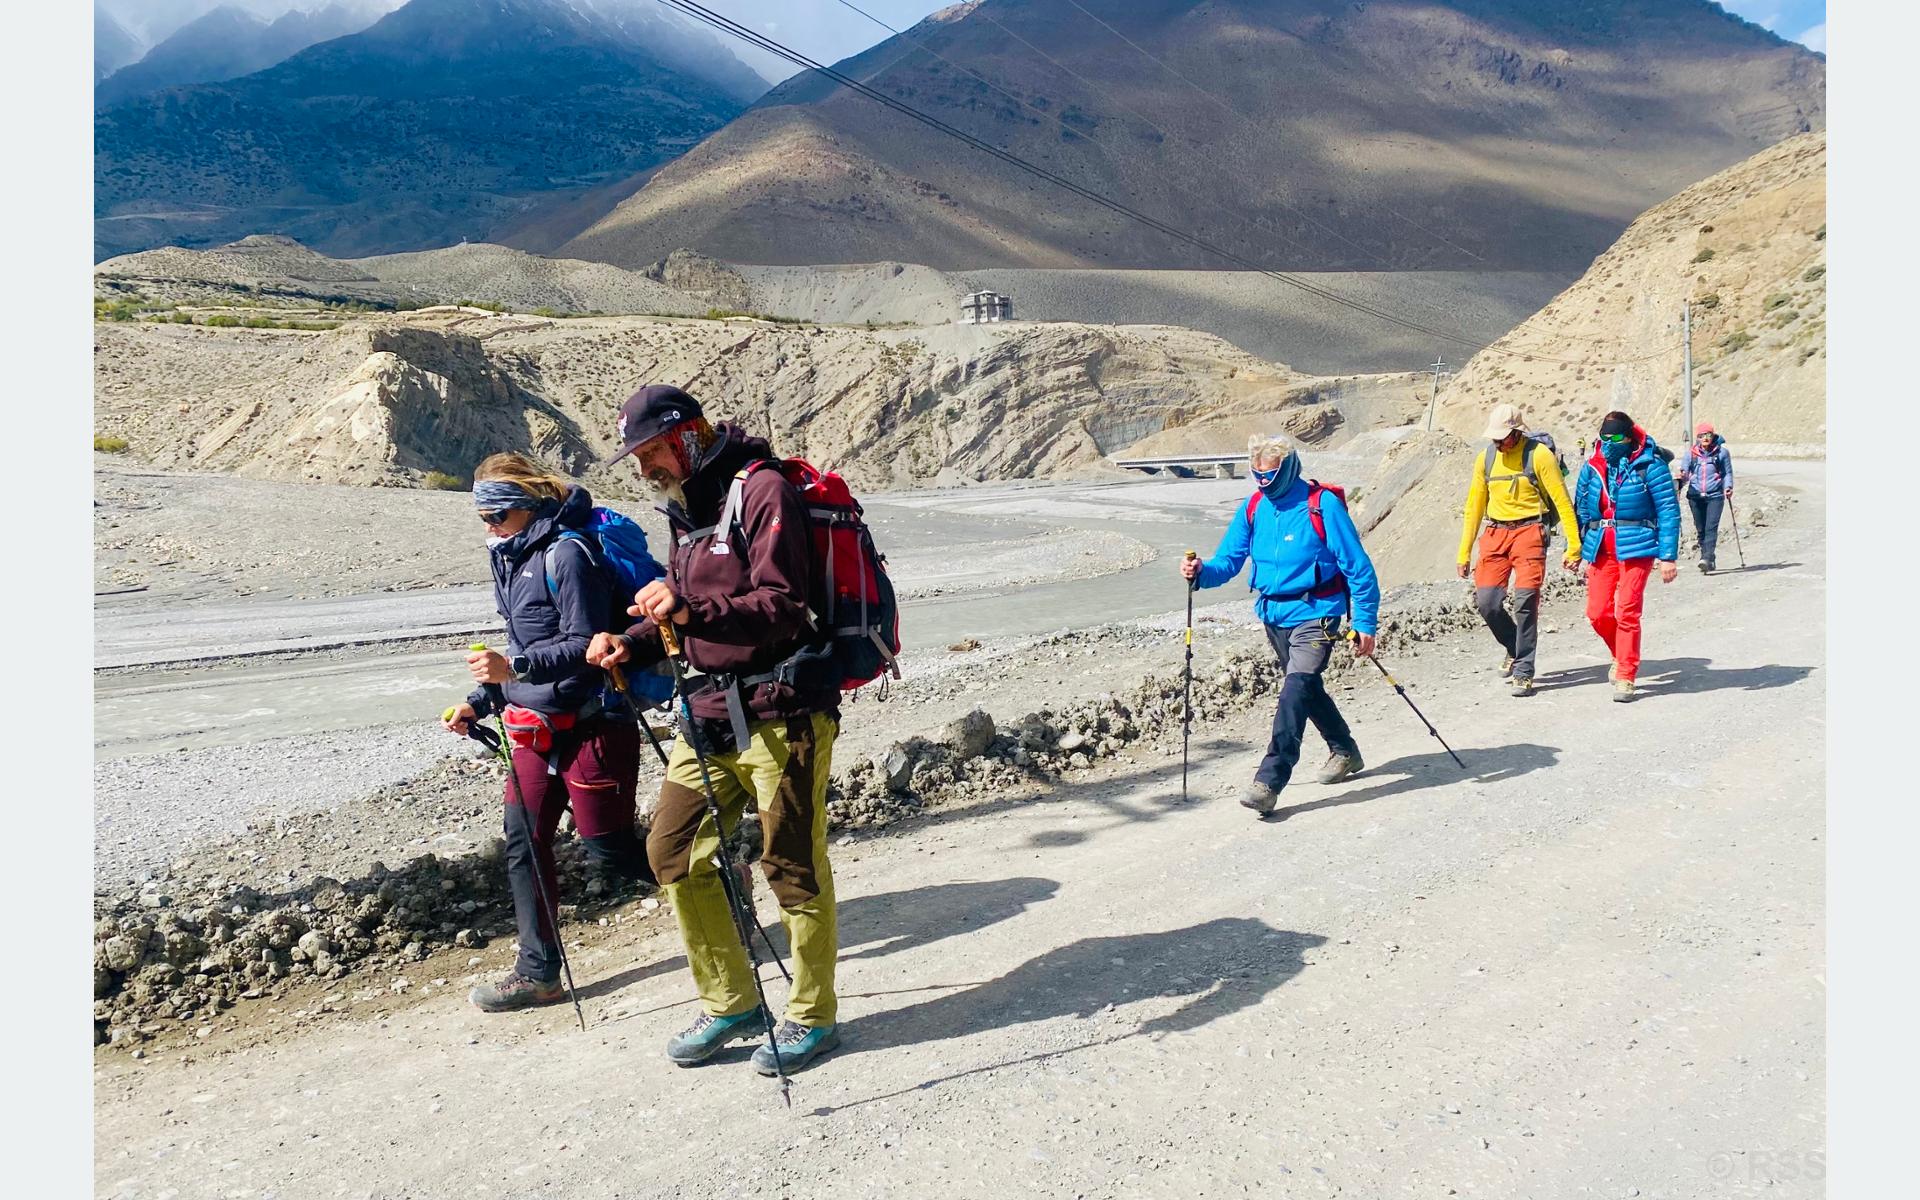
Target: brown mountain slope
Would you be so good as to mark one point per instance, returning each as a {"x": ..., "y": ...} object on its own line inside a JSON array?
[
  {"x": 1392, "y": 135},
  {"x": 1748, "y": 248},
  {"x": 384, "y": 400}
]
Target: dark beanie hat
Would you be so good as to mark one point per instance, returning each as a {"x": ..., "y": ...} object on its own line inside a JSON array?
[{"x": 1616, "y": 422}]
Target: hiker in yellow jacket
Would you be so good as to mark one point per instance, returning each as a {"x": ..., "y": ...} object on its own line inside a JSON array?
[{"x": 1513, "y": 481}]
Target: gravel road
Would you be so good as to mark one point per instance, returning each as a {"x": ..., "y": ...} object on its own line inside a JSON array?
[{"x": 1591, "y": 965}]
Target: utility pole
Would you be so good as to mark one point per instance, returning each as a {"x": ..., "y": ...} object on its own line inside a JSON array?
[
  {"x": 1439, "y": 365},
  {"x": 1686, "y": 369}
]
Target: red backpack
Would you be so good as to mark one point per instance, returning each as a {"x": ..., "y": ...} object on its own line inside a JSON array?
[
  {"x": 852, "y": 595},
  {"x": 1315, "y": 489}
]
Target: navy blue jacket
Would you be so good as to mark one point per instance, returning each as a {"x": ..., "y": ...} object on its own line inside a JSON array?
[{"x": 551, "y": 627}]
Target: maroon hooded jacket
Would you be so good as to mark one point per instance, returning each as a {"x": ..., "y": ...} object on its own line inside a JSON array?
[{"x": 747, "y": 608}]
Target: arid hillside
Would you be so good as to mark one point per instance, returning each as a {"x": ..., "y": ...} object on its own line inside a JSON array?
[
  {"x": 1747, "y": 249},
  {"x": 387, "y": 400},
  {"x": 1387, "y": 136}
]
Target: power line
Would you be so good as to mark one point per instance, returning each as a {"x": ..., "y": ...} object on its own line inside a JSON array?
[{"x": 724, "y": 24}]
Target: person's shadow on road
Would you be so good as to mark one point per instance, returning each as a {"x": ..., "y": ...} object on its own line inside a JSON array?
[
  {"x": 1675, "y": 676},
  {"x": 1220, "y": 966},
  {"x": 1486, "y": 764}
]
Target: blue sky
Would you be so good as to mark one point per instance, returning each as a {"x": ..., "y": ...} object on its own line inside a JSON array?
[{"x": 1803, "y": 21}]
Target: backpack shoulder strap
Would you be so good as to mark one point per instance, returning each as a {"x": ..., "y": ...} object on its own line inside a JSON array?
[
  {"x": 1253, "y": 504},
  {"x": 565, "y": 535},
  {"x": 1528, "y": 445},
  {"x": 1315, "y": 490},
  {"x": 1486, "y": 462}
]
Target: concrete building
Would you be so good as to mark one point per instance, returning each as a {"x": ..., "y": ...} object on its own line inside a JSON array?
[{"x": 978, "y": 308}]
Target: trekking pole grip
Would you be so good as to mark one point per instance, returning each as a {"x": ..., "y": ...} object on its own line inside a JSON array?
[
  {"x": 670, "y": 639},
  {"x": 618, "y": 677}
]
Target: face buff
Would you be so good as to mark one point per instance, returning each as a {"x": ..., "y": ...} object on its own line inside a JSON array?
[{"x": 1275, "y": 483}]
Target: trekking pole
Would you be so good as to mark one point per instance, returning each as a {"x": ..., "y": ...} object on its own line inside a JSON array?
[
  {"x": 1186, "y": 720},
  {"x": 619, "y": 679},
  {"x": 1351, "y": 636},
  {"x": 1735, "y": 514},
  {"x": 743, "y": 917},
  {"x": 497, "y": 742}
]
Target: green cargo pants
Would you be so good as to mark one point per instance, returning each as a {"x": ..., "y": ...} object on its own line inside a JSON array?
[{"x": 784, "y": 769}]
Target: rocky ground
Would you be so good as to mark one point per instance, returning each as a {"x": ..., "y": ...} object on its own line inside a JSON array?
[{"x": 1555, "y": 973}]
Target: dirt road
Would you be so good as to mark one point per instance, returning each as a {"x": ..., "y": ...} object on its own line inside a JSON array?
[{"x": 1591, "y": 966}]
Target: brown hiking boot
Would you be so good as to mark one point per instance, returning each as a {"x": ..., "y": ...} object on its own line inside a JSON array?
[
  {"x": 1259, "y": 797},
  {"x": 1622, "y": 691},
  {"x": 515, "y": 991},
  {"x": 1340, "y": 766}
]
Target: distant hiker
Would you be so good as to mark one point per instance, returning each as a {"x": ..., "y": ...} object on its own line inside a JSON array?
[
  {"x": 737, "y": 592},
  {"x": 1309, "y": 572},
  {"x": 1516, "y": 484},
  {"x": 572, "y": 739},
  {"x": 1629, "y": 522},
  {"x": 1707, "y": 471}
]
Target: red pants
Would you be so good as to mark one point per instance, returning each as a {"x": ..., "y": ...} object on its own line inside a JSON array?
[{"x": 1615, "y": 591}]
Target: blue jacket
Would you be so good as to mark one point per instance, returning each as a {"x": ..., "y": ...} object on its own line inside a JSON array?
[
  {"x": 1289, "y": 558},
  {"x": 1641, "y": 485},
  {"x": 551, "y": 625}
]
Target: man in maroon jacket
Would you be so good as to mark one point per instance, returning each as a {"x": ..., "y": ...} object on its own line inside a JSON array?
[{"x": 736, "y": 590}]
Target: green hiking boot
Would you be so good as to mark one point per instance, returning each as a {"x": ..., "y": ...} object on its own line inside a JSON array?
[
  {"x": 516, "y": 991},
  {"x": 709, "y": 1034},
  {"x": 799, "y": 1045},
  {"x": 1340, "y": 766},
  {"x": 1521, "y": 687}
]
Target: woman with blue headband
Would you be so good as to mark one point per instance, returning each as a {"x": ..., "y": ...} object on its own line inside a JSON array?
[{"x": 573, "y": 739}]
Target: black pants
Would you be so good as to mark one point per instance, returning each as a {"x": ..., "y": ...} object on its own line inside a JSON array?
[
  {"x": 1706, "y": 522},
  {"x": 1304, "y": 651}
]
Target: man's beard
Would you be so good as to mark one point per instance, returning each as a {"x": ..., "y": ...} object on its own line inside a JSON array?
[{"x": 667, "y": 487}]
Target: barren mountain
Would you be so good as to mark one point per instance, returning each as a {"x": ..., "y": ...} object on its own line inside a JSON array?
[
  {"x": 1392, "y": 135},
  {"x": 114, "y": 45},
  {"x": 1747, "y": 248},
  {"x": 441, "y": 121},
  {"x": 386, "y": 400},
  {"x": 228, "y": 43}
]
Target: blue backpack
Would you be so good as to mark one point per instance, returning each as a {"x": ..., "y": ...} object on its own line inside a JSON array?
[{"x": 617, "y": 545}]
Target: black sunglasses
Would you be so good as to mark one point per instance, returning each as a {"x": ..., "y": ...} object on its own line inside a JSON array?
[{"x": 495, "y": 518}]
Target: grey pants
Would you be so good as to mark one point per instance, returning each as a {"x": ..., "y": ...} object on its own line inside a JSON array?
[
  {"x": 1706, "y": 522},
  {"x": 1304, "y": 651},
  {"x": 1518, "y": 633}
]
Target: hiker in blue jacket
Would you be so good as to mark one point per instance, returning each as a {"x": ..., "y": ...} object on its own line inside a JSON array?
[{"x": 1309, "y": 572}]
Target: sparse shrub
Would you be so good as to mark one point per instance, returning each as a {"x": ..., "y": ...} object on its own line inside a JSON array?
[
  {"x": 1814, "y": 273},
  {"x": 441, "y": 481},
  {"x": 107, "y": 444},
  {"x": 260, "y": 323},
  {"x": 222, "y": 321},
  {"x": 1777, "y": 300},
  {"x": 1710, "y": 300},
  {"x": 547, "y": 310},
  {"x": 1785, "y": 317},
  {"x": 1820, "y": 234},
  {"x": 1739, "y": 339},
  {"x": 1705, "y": 255}
]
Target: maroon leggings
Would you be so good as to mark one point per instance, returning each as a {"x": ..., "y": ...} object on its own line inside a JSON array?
[{"x": 596, "y": 767}]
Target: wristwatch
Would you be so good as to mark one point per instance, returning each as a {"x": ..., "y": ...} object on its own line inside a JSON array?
[{"x": 519, "y": 664}]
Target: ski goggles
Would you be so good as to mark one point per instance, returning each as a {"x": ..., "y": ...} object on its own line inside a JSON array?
[
  {"x": 1266, "y": 478},
  {"x": 1613, "y": 437}
]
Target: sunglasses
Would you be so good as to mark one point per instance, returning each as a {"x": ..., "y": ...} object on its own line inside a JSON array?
[
  {"x": 495, "y": 518},
  {"x": 1613, "y": 437}
]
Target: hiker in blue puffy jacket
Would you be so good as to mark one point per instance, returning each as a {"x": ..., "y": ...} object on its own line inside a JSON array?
[
  {"x": 1307, "y": 581},
  {"x": 1629, "y": 523}
]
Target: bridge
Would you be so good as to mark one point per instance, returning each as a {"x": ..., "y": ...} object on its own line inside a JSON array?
[{"x": 1223, "y": 466}]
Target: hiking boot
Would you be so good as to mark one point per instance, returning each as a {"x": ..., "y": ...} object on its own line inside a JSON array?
[
  {"x": 799, "y": 1045},
  {"x": 1259, "y": 797},
  {"x": 1340, "y": 766},
  {"x": 709, "y": 1034},
  {"x": 1506, "y": 666},
  {"x": 1521, "y": 687},
  {"x": 1613, "y": 672},
  {"x": 1622, "y": 691},
  {"x": 1705, "y": 566},
  {"x": 516, "y": 991}
]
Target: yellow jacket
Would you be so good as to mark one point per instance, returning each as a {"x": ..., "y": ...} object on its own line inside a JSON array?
[{"x": 1512, "y": 498}]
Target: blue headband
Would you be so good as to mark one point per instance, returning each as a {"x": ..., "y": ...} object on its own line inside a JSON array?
[{"x": 490, "y": 495}]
